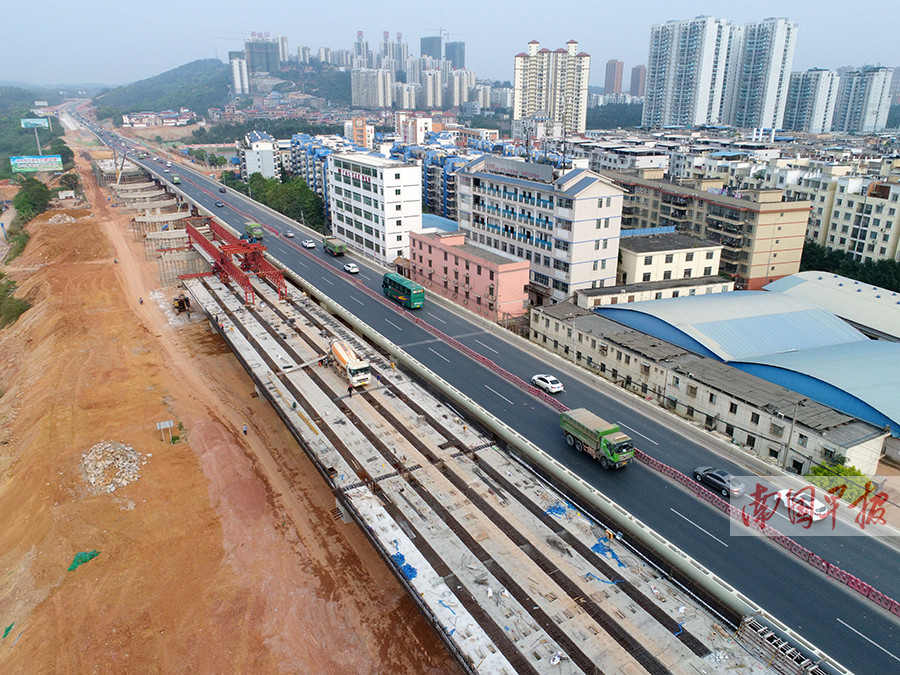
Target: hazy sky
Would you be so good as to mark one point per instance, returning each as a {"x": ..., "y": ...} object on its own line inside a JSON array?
[{"x": 120, "y": 41}]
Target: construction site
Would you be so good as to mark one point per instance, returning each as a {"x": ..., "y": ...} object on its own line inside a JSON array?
[{"x": 455, "y": 541}]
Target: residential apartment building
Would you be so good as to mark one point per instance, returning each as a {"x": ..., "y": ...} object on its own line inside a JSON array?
[
  {"x": 431, "y": 90},
  {"x": 554, "y": 84},
  {"x": 613, "y": 84},
  {"x": 371, "y": 88},
  {"x": 865, "y": 219},
  {"x": 686, "y": 69},
  {"x": 662, "y": 257},
  {"x": 638, "y": 81},
  {"x": 761, "y": 235},
  {"x": 812, "y": 95},
  {"x": 431, "y": 46},
  {"x": 455, "y": 53},
  {"x": 709, "y": 71},
  {"x": 240, "y": 79},
  {"x": 375, "y": 203},
  {"x": 863, "y": 100},
  {"x": 360, "y": 132},
  {"x": 263, "y": 54},
  {"x": 566, "y": 226},
  {"x": 259, "y": 153},
  {"x": 406, "y": 96},
  {"x": 458, "y": 88},
  {"x": 482, "y": 281},
  {"x": 763, "y": 63}
]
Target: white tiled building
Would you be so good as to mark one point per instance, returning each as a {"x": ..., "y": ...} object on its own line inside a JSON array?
[
  {"x": 374, "y": 203},
  {"x": 566, "y": 226},
  {"x": 553, "y": 83},
  {"x": 811, "y": 98},
  {"x": 371, "y": 88}
]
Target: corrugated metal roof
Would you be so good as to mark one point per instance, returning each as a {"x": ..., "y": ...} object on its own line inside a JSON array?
[
  {"x": 868, "y": 370},
  {"x": 864, "y": 305},
  {"x": 741, "y": 325}
]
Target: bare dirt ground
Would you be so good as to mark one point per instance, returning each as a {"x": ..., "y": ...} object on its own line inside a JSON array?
[{"x": 223, "y": 556}]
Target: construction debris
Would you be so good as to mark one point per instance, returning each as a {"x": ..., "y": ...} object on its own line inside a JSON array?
[
  {"x": 109, "y": 465},
  {"x": 61, "y": 219}
]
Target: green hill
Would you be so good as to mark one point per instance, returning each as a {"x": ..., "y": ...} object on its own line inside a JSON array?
[{"x": 197, "y": 85}]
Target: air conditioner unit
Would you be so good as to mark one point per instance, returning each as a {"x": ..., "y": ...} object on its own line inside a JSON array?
[{"x": 780, "y": 415}]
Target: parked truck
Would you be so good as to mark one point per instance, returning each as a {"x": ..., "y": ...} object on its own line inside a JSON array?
[
  {"x": 351, "y": 366},
  {"x": 602, "y": 440},
  {"x": 334, "y": 246}
]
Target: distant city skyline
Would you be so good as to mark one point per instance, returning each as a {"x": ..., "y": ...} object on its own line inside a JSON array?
[{"x": 118, "y": 44}]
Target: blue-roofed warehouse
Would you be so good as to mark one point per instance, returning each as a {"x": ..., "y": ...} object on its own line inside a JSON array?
[{"x": 784, "y": 340}]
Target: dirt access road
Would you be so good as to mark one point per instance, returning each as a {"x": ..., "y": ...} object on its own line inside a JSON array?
[{"x": 223, "y": 555}]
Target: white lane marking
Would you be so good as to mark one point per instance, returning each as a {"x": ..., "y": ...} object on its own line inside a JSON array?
[
  {"x": 440, "y": 355},
  {"x": 486, "y": 347},
  {"x": 357, "y": 300},
  {"x": 302, "y": 264},
  {"x": 698, "y": 527},
  {"x": 499, "y": 394},
  {"x": 327, "y": 281},
  {"x": 638, "y": 433},
  {"x": 892, "y": 655},
  {"x": 436, "y": 318},
  {"x": 393, "y": 324}
]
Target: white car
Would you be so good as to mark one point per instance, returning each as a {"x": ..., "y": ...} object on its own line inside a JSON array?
[
  {"x": 289, "y": 234},
  {"x": 351, "y": 268},
  {"x": 548, "y": 383},
  {"x": 802, "y": 504},
  {"x": 309, "y": 243}
]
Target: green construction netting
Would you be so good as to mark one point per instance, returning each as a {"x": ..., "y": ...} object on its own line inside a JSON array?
[{"x": 83, "y": 557}]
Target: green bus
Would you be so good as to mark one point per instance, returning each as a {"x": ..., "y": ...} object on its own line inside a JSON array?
[
  {"x": 400, "y": 289},
  {"x": 254, "y": 230}
]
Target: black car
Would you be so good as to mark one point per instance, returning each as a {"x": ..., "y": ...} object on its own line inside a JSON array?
[
  {"x": 219, "y": 204},
  {"x": 719, "y": 481},
  {"x": 221, "y": 189}
]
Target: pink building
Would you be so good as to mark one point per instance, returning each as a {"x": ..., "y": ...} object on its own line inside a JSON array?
[{"x": 481, "y": 281}]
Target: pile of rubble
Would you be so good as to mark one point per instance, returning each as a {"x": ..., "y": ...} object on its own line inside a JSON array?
[
  {"x": 109, "y": 465},
  {"x": 61, "y": 219}
]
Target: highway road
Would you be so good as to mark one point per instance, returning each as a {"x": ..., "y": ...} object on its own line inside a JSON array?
[{"x": 849, "y": 628}]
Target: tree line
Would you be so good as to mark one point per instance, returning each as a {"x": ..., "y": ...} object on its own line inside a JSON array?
[
  {"x": 292, "y": 198},
  {"x": 883, "y": 273}
]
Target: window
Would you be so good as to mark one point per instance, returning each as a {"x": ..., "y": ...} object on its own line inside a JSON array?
[
  {"x": 754, "y": 418},
  {"x": 396, "y": 176},
  {"x": 707, "y": 271},
  {"x": 776, "y": 430},
  {"x": 667, "y": 274},
  {"x": 669, "y": 257},
  {"x": 687, "y": 274},
  {"x": 646, "y": 276},
  {"x": 709, "y": 255},
  {"x": 712, "y": 398},
  {"x": 733, "y": 408},
  {"x": 648, "y": 259},
  {"x": 689, "y": 256},
  {"x": 802, "y": 440},
  {"x": 692, "y": 390}
]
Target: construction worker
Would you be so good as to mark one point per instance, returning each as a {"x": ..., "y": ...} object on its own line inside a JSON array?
[
  {"x": 245, "y": 430},
  {"x": 141, "y": 301},
  {"x": 350, "y": 391}
]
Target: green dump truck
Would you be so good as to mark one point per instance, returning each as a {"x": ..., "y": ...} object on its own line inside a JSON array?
[
  {"x": 254, "y": 230},
  {"x": 602, "y": 440},
  {"x": 334, "y": 246}
]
